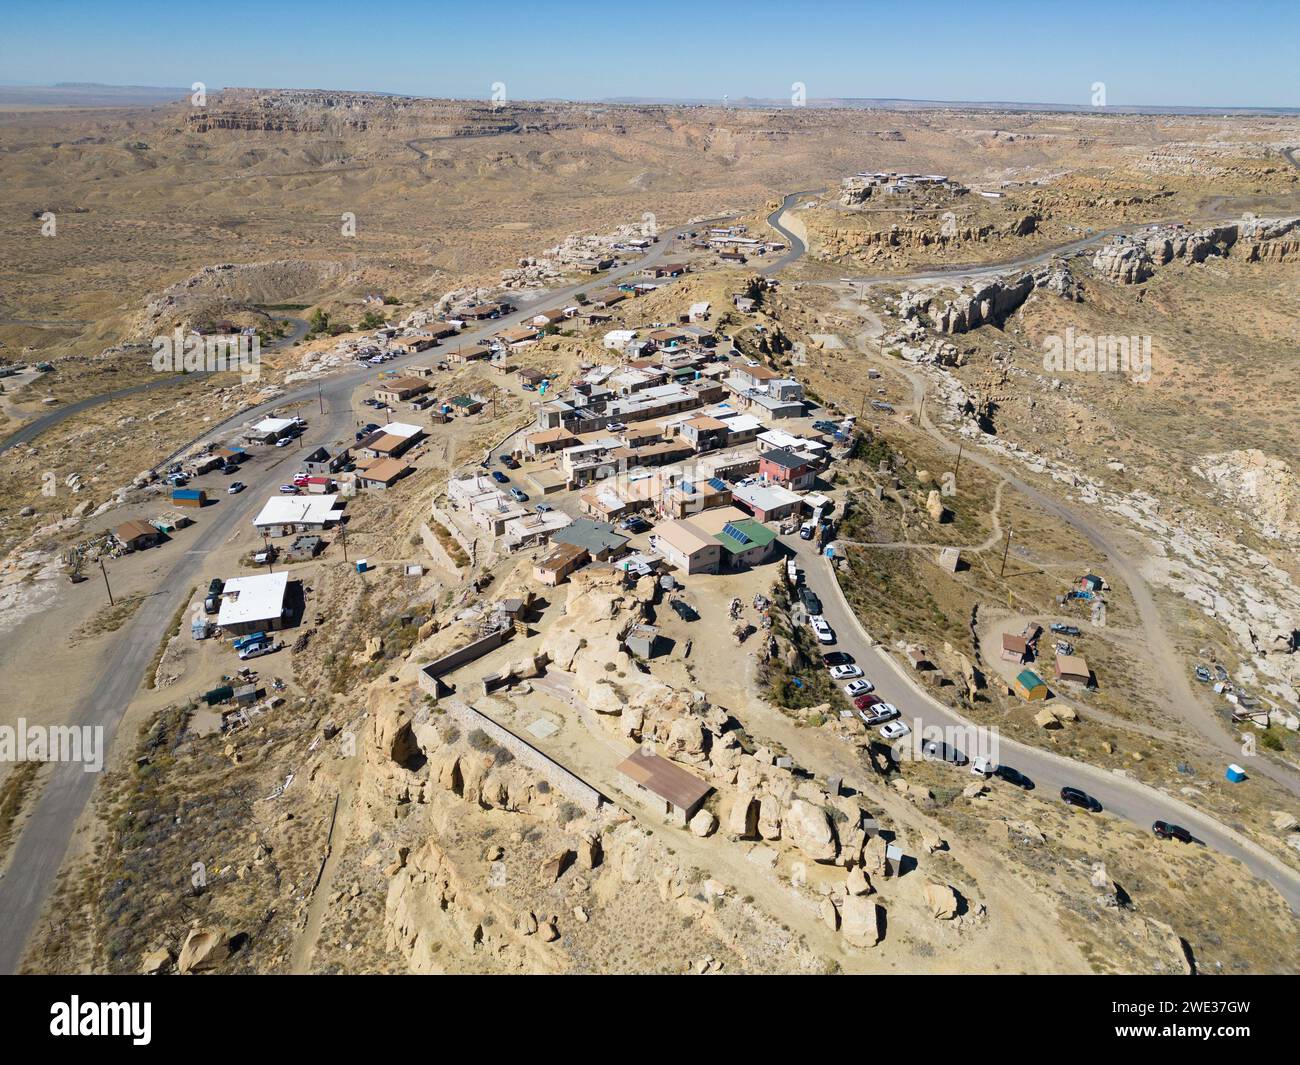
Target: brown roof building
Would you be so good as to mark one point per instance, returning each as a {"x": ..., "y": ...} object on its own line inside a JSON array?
[{"x": 680, "y": 793}]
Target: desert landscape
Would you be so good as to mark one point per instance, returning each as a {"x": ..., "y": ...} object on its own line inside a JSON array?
[{"x": 624, "y": 477}]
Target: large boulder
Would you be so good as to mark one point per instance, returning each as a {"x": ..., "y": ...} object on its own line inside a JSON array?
[
  {"x": 809, "y": 829},
  {"x": 704, "y": 823},
  {"x": 942, "y": 900},
  {"x": 742, "y": 820},
  {"x": 859, "y": 921},
  {"x": 204, "y": 949}
]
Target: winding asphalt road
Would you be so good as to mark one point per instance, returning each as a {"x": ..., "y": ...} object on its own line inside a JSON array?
[
  {"x": 1118, "y": 795},
  {"x": 34, "y": 428}
]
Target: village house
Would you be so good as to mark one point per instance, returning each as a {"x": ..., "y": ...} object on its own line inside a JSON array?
[
  {"x": 796, "y": 472},
  {"x": 400, "y": 389},
  {"x": 557, "y": 564},
  {"x": 258, "y": 603},
  {"x": 1074, "y": 670},
  {"x": 1015, "y": 648},
  {"x": 686, "y": 547},
  {"x": 136, "y": 535},
  {"x": 391, "y": 440},
  {"x": 382, "y": 474},
  {"x": 767, "y": 501},
  {"x": 287, "y": 515},
  {"x": 597, "y": 537}
]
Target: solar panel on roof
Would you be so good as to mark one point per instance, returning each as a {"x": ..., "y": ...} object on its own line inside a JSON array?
[
  {"x": 718, "y": 483},
  {"x": 735, "y": 534},
  {"x": 688, "y": 488}
]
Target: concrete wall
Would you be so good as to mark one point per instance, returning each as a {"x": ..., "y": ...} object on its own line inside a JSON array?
[
  {"x": 430, "y": 675},
  {"x": 561, "y": 779}
]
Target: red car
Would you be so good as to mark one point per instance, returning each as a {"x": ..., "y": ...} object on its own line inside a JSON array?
[{"x": 866, "y": 702}]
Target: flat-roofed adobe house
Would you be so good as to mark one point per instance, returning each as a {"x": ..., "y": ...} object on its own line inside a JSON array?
[
  {"x": 382, "y": 473},
  {"x": 400, "y": 389},
  {"x": 677, "y": 793}
]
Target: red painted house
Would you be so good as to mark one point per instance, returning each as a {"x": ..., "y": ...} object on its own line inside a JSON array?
[{"x": 787, "y": 469}]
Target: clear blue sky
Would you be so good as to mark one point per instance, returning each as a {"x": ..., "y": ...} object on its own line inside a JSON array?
[{"x": 1193, "y": 52}]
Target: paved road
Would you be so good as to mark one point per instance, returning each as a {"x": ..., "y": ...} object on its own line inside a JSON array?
[
  {"x": 1118, "y": 795},
  {"x": 40, "y": 849},
  {"x": 34, "y": 428},
  {"x": 795, "y": 246}
]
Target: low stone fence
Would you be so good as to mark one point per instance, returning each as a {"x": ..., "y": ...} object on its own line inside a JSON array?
[
  {"x": 432, "y": 674},
  {"x": 561, "y": 779}
]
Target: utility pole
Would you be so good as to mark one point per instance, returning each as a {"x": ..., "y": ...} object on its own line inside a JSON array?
[
  {"x": 266, "y": 543},
  {"x": 1005, "y": 550},
  {"x": 320, "y": 395},
  {"x": 104, "y": 570},
  {"x": 343, "y": 539},
  {"x": 957, "y": 469}
]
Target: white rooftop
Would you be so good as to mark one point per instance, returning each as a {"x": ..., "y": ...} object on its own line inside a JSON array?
[
  {"x": 298, "y": 510},
  {"x": 274, "y": 425},
  {"x": 764, "y": 496},
  {"x": 252, "y": 599},
  {"x": 402, "y": 429}
]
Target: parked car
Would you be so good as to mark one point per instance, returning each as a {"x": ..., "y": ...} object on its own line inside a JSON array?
[
  {"x": 615, "y": 427},
  {"x": 1164, "y": 830},
  {"x": 825, "y": 426},
  {"x": 256, "y": 650},
  {"x": 1081, "y": 799},
  {"x": 878, "y": 715},
  {"x": 510, "y": 462},
  {"x": 1061, "y": 629},
  {"x": 634, "y": 524},
  {"x": 519, "y": 495},
  {"x": 1064, "y": 647},
  {"x": 683, "y": 610},
  {"x": 822, "y": 628},
  {"x": 544, "y": 508},
  {"x": 1203, "y": 674},
  {"x": 935, "y": 751},
  {"x": 837, "y": 658},
  {"x": 235, "y": 488},
  {"x": 284, "y": 441},
  {"x": 1220, "y": 673},
  {"x": 289, "y": 489},
  {"x": 809, "y": 599},
  {"x": 866, "y": 702},
  {"x": 982, "y": 767},
  {"x": 893, "y": 730},
  {"x": 215, "y": 586},
  {"x": 1014, "y": 777},
  {"x": 807, "y": 530},
  {"x": 861, "y": 686},
  {"x": 847, "y": 672},
  {"x": 500, "y": 477}
]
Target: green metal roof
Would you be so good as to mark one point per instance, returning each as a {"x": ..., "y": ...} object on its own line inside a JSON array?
[
  {"x": 739, "y": 536},
  {"x": 1030, "y": 679}
]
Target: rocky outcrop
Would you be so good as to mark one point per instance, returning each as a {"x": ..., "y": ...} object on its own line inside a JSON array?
[
  {"x": 1123, "y": 262},
  {"x": 1130, "y": 260}
]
